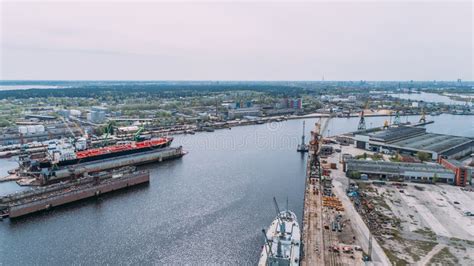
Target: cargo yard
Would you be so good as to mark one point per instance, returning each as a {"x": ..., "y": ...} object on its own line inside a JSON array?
[
  {"x": 406, "y": 215},
  {"x": 411, "y": 222}
]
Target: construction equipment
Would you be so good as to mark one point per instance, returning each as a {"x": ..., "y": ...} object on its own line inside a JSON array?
[
  {"x": 302, "y": 147},
  {"x": 423, "y": 116},
  {"x": 396, "y": 121},
  {"x": 316, "y": 144},
  {"x": 362, "y": 125},
  {"x": 136, "y": 136},
  {"x": 109, "y": 130}
]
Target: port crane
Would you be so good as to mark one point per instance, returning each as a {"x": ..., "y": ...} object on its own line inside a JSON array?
[
  {"x": 316, "y": 143},
  {"x": 362, "y": 125},
  {"x": 136, "y": 136},
  {"x": 423, "y": 116},
  {"x": 109, "y": 130},
  {"x": 397, "y": 121},
  {"x": 302, "y": 147}
]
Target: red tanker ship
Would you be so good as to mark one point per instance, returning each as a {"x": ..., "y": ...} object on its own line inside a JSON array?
[{"x": 65, "y": 156}]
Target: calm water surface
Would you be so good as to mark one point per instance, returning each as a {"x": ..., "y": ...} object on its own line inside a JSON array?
[
  {"x": 428, "y": 97},
  {"x": 208, "y": 207}
]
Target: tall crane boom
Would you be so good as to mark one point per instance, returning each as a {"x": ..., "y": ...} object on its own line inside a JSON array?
[
  {"x": 362, "y": 125},
  {"x": 136, "y": 137}
]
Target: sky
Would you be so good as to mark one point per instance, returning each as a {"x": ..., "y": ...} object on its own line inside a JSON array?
[{"x": 339, "y": 40}]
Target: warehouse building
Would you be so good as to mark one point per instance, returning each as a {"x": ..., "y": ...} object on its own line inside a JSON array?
[
  {"x": 462, "y": 173},
  {"x": 418, "y": 172},
  {"x": 239, "y": 113},
  {"x": 410, "y": 140}
]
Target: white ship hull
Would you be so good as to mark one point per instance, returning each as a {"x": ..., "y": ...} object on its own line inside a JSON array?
[{"x": 284, "y": 241}]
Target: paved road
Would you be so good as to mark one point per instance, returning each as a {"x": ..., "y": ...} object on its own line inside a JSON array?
[
  {"x": 434, "y": 251},
  {"x": 361, "y": 230}
]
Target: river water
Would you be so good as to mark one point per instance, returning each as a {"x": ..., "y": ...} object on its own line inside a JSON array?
[
  {"x": 208, "y": 207},
  {"x": 430, "y": 97}
]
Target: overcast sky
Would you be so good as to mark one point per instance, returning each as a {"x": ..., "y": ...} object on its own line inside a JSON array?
[{"x": 237, "y": 41}]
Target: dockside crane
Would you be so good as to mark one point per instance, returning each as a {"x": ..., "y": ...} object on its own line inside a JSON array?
[
  {"x": 423, "y": 116},
  {"x": 316, "y": 143},
  {"x": 109, "y": 130},
  {"x": 136, "y": 136},
  {"x": 362, "y": 125},
  {"x": 397, "y": 121},
  {"x": 302, "y": 147}
]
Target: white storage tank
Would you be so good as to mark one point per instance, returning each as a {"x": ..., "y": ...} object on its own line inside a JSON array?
[
  {"x": 22, "y": 129},
  {"x": 39, "y": 128},
  {"x": 31, "y": 129},
  {"x": 76, "y": 113}
]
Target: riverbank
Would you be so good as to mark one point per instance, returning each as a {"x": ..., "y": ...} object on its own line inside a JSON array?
[
  {"x": 220, "y": 194},
  {"x": 210, "y": 126}
]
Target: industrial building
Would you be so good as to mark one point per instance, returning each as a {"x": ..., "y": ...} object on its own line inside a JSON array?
[
  {"x": 419, "y": 172},
  {"x": 30, "y": 133},
  {"x": 462, "y": 174},
  {"x": 97, "y": 115},
  {"x": 410, "y": 140},
  {"x": 241, "y": 112}
]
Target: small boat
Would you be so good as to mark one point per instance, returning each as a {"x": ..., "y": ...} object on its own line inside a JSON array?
[{"x": 282, "y": 240}]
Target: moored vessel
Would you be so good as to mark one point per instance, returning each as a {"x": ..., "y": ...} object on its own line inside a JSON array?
[
  {"x": 282, "y": 240},
  {"x": 68, "y": 154}
]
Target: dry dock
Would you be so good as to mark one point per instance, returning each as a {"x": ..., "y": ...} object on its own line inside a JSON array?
[
  {"x": 24, "y": 203},
  {"x": 62, "y": 173}
]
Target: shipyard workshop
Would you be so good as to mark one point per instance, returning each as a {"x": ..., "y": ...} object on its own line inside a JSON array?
[
  {"x": 410, "y": 140},
  {"x": 396, "y": 171}
]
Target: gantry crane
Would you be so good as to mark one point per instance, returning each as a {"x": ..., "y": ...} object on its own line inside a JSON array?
[
  {"x": 302, "y": 147},
  {"x": 362, "y": 125},
  {"x": 423, "y": 116},
  {"x": 397, "y": 121},
  {"x": 316, "y": 143}
]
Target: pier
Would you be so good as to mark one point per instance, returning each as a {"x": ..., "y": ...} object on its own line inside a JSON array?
[
  {"x": 328, "y": 235},
  {"x": 313, "y": 246}
]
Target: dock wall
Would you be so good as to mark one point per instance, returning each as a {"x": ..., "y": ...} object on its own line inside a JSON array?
[{"x": 108, "y": 186}]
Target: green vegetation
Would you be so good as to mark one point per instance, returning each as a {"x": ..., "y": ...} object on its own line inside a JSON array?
[
  {"x": 375, "y": 156},
  {"x": 106, "y": 92},
  {"x": 444, "y": 257},
  {"x": 354, "y": 175},
  {"x": 469, "y": 242},
  {"x": 4, "y": 122},
  {"x": 415, "y": 249},
  {"x": 394, "y": 258},
  {"x": 426, "y": 232},
  {"x": 362, "y": 156},
  {"x": 423, "y": 156},
  {"x": 379, "y": 201}
]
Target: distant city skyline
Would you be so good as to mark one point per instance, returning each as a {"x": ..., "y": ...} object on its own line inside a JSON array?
[{"x": 236, "y": 41}]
